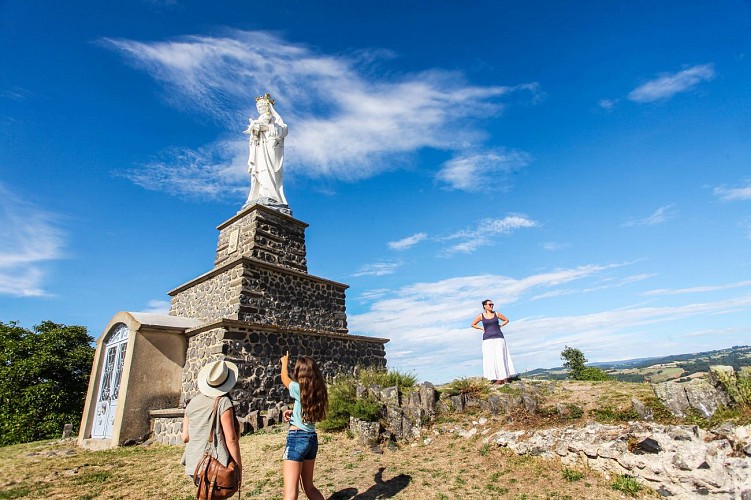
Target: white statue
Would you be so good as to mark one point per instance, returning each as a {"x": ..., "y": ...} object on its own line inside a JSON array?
[{"x": 266, "y": 158}]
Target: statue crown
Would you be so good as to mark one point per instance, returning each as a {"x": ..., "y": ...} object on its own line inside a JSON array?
[{"x": 266, "y": 98}]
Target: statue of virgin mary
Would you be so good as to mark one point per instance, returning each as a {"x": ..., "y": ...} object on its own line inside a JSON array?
[{"x": 266, "y": 156}]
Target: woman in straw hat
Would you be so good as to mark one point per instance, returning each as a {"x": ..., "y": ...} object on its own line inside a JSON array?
[{"x": 215, "y": 380}]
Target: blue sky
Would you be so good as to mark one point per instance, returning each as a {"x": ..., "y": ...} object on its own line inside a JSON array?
[{"x": 586, "y": 165}]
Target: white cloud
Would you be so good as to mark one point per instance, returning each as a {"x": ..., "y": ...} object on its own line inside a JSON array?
[
  {"x": 439, "y": 345},
  {"x": 464, "y": 171},
  {"x": 734, "y": 194},
  {"x": 378, "y": 269},
  {"x": 666, "y": 85},
  {"x": 343, "y": 123},
  {"x": 485, "y": 233},
  {"x": 407, "y": 242},
  {"x": 698, "y": 289},
  {"x": 607, "y": 103},
  {"x": 553, "y": 246},
  {"x": 156, "y": 306},
  {"x": 662, "y": 214},
  {"x": 210, "y": 172},
  {"x": 30, "y": 238}
]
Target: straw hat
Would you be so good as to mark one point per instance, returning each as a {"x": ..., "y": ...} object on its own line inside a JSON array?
[{"x": 217, "y": 378}]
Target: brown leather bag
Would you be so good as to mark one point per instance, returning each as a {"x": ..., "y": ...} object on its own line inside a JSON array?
[{"x": 214, "y": 480}]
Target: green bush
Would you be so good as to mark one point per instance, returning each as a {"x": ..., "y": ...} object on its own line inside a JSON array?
[
  {"x": 593, "y": 373},
  {"x": 475, "y": 387},
  {"x": 344, "y": 403},
  {"x": 341, "y": 396},
  {"x": 366, "y": 409},
  {"x": 391, "y": 378},
  {"x": 574, "y": 361},
  {"x": 627, "y": 484}
]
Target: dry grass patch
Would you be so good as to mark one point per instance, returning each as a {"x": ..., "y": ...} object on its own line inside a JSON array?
[{"x": 449, "y": 467}]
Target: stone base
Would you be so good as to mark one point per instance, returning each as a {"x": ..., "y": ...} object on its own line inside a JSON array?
[{"x": 257, "y": 349}]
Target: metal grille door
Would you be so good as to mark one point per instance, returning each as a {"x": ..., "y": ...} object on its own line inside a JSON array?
[{"x": 109, "y": 384}]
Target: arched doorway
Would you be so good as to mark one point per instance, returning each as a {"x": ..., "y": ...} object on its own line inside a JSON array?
[{"x": 109, "y": 383}]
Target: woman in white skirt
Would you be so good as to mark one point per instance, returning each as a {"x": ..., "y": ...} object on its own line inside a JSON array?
[{"x": 496, "y": 360}]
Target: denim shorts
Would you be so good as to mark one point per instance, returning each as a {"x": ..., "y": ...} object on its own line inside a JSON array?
[{"x": 301, "y": 445}]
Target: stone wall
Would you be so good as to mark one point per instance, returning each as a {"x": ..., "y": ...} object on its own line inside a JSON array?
[
  {"x": 254, "y": 292},
  {"x": 677, "y": 461},
  {"x": 166, "y": 426},
  {"x": 265, "y": 235},
  {"x": 257, "y": 350},
  {"x": 209, "y": 297}
]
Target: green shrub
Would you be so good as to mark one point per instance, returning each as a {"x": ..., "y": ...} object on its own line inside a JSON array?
[
  {"x": 344, "y": 403},
  {"x": 341, "y": 396},
  {"x": 366, "y": 409},
  {"x": 391, "y": 378},
  {"x": 593, "y": 373},
  {"x": 468, "y": 387},
  {"x": 572, "y": 475},
  {"x": 627, "y": 484}
]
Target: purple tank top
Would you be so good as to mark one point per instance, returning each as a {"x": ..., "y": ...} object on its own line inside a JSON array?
[{"x": 492, "y": 328}]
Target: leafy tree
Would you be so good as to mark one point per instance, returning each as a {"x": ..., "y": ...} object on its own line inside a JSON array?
[
  {"x": 574, "y": 362},
  {"x": 44, "y": 374}
]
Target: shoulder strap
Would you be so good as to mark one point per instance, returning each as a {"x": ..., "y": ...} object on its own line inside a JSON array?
[{"x": 213, "y": 420}]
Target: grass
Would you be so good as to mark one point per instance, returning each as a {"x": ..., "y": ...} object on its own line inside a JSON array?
[
  {"x": 627, "y": 484},
  {"x": 47, "y": 470},
  {"x": 571, "y": 475}
]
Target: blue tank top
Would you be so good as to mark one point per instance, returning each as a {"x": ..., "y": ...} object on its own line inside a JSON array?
[{"x": 492, "y": 328}]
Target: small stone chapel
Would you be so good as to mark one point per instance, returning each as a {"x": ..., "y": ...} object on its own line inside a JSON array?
[{"x": 256, "y": 303}]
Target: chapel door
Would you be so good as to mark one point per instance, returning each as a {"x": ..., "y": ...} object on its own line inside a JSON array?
[{"x": 109, "y": 383}]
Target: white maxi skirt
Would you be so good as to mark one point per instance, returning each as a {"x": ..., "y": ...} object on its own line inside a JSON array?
[{"x": 496, "y": 360}]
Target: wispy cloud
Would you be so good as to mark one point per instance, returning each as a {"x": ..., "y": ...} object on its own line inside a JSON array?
[
  {"x": 440, "y": 335},
  {"x": 698, "y": 289},
  {"x": 30, "y": 237},
  {"x": 324, "y": 98},
  {"x": 378, "y": 269},
  {"x": 607, "y": 103},
  {"x": 734, "y": 194},
  {"x": 485, "y": 233},
  {"x": 554, "y": 246},
  {"x": 666, "y": 85},
  {"x": 156, "y": 306},
  {"x": 463, "y": 171},
  {"x": 407, "y": 242},
  {"x": 662, "y": 214}
]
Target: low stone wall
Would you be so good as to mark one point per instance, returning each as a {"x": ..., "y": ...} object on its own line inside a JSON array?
[
  {"x": 166, "y": 426},
  {"x": 676, "y": 461}
]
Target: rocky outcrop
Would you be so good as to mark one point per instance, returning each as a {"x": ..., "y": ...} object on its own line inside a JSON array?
[
  {"x": 677, "y": 461},
  {"x": 403, "y": 413},
  {"x": 723, "y": 387}
]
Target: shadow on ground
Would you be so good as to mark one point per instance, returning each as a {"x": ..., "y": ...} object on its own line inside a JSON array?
[{"x": 381, "y": 488}]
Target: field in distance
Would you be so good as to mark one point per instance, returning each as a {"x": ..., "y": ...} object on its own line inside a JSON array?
[{"x": 679, "y": 367}]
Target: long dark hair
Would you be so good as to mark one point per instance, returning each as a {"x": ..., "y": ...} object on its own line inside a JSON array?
[{"x": 314, "y": 397}]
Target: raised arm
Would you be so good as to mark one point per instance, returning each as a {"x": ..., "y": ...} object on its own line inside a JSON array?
[{"x": 285, "y": 370}]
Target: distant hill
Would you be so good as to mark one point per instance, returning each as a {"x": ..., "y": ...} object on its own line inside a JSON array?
[{"x": 680, "y": 367}]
